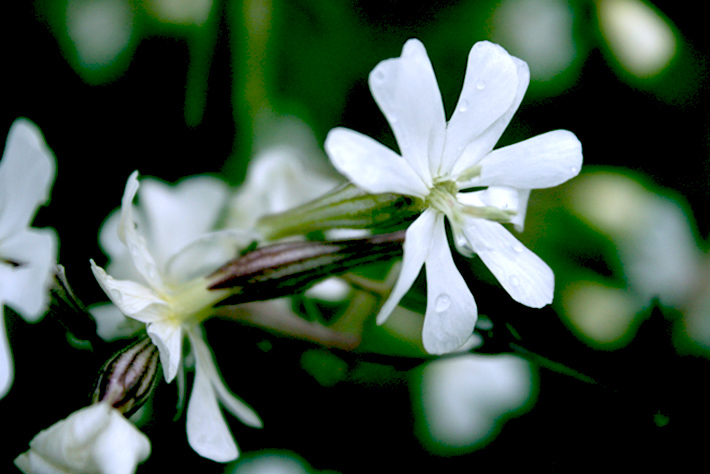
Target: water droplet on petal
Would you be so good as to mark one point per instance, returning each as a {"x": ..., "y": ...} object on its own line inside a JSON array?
[
  {"x": 574, "y": 169},
  {"x": 153, "y": 273},
  {"x": 518, "y": 247},
  {"x": 380, "y": 75},
  {"x": 442, "y": 303},
  {"x": 514, "y": 280},
  {"x": 463, "y": 106},
  {"x": 480, "y": 85},
  {"x": 463, "y": 246},
  {"x": 116, "y": 296}
]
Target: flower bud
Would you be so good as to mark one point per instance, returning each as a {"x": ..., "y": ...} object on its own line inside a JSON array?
[
  {"x": 287, "y": 268},
  {"x": 127, "y": 379}
]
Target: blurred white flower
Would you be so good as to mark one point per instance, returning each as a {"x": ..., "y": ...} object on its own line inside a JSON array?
[
  {"x": 181, "y": 12},
  {"x": 604, "y": 316},
  {"x": 638, "y": 35},
  {"x": 466, "y": 399},
  {"x": 272, "y": 462},
  {"x": 172, "y": 299},
  {"x": 657, "y": 249},
  {"x": 97, "y": 439},
  {"x": 279, "y": 178},
  {"x": 538, "y": 31},
  {"x": 27, "y": 255},
  {"x": 99, "y": 30},
  {"x": 652, "y": 233},
  {"x": 440, "y": 159}
]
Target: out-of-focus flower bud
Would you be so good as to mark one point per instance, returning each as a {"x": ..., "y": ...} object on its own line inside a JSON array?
[{"x": 127, "y": 379}]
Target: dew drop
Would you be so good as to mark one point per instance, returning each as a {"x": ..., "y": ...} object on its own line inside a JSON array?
[
  {"x": 442, "y": 303},
  {"x": 463, "y": 245},
  {"x": 463, "y": 106},
  {"x": 116, "y": 296},
  {"x": 574, "y": 169},
  {"x": 480, "y": 85},
  {"x": 380, "y": 75},
  {"x": 135, "y": 253},
  {"x": 518, "y": 247},
  {"x": 514, "y": 280},
  {"x": 153, "y": 273}
]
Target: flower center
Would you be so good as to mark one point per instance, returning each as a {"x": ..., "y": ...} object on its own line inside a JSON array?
[
  {"x": 442, "y": 197},
  {"x": 192, "y": 302}
]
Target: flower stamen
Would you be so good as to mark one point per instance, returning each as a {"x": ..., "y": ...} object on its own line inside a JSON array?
[{"x": 490, "y": 213}]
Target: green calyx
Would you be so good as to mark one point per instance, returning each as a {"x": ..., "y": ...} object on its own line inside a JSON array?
[{"x": 346, "y": 207}]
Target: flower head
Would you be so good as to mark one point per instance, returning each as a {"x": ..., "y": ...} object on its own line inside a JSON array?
[
  {"x": 27, "y": 255},
  {"x": 439, "y": 161},
  {"x": 172, "y": 299},
  {"x": 465, "y": 400},
  {"x": 95, "y": 439}
]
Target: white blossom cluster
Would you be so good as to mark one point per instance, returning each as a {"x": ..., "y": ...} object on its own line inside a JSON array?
[{"x": 163, "y": 249}]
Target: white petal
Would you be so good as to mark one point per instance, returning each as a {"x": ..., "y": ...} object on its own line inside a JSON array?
[
  {"x": 206, "y": 254},
  {"x": 176, "y": 215},
  {"x": 523, "y": 274},
  {"x": 502, "y": 197},
  {"x": 136, "y": 243},
  {"x": 489, "y": 89},
  {"x": 120, "y": 265},
  {"x": 95, "y": 439},
  {"x": 485, "y": 142},
  {"x": 7, "y": 367},
  {"x": 207, "y": 430},
  {"x": 236, "y": 406},
  {"x": 543, "y": 161},
  {"x": 405, "y": 88},
  {"x": 27, "y": 172},
  {"x": 518, "y": 219},
  {"x": 168, "y": 336},
  {"x": 416, "y": 248},
  {"x": 133, "y": 299},
  {"x": 279, "y": 178},
  {"x": 112, "y": 324},
  {"x": 451, "y": 311},
  {"x": 25, "y": 287},
  {"x": 371, "y": 165}
]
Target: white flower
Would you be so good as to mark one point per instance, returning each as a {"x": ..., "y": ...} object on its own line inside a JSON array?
[
  {"x": 279, "y": 178},
  {"x": 282, "y": 177},
  {"x": 465, "y": 400},
  {"x": 97, "y": 439},
  {"x": 27, "y": 255},
  {"x": 438, "y": 160},
  {"x": 170, "y": 217},
  {"x": 172, "y": 299}
]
